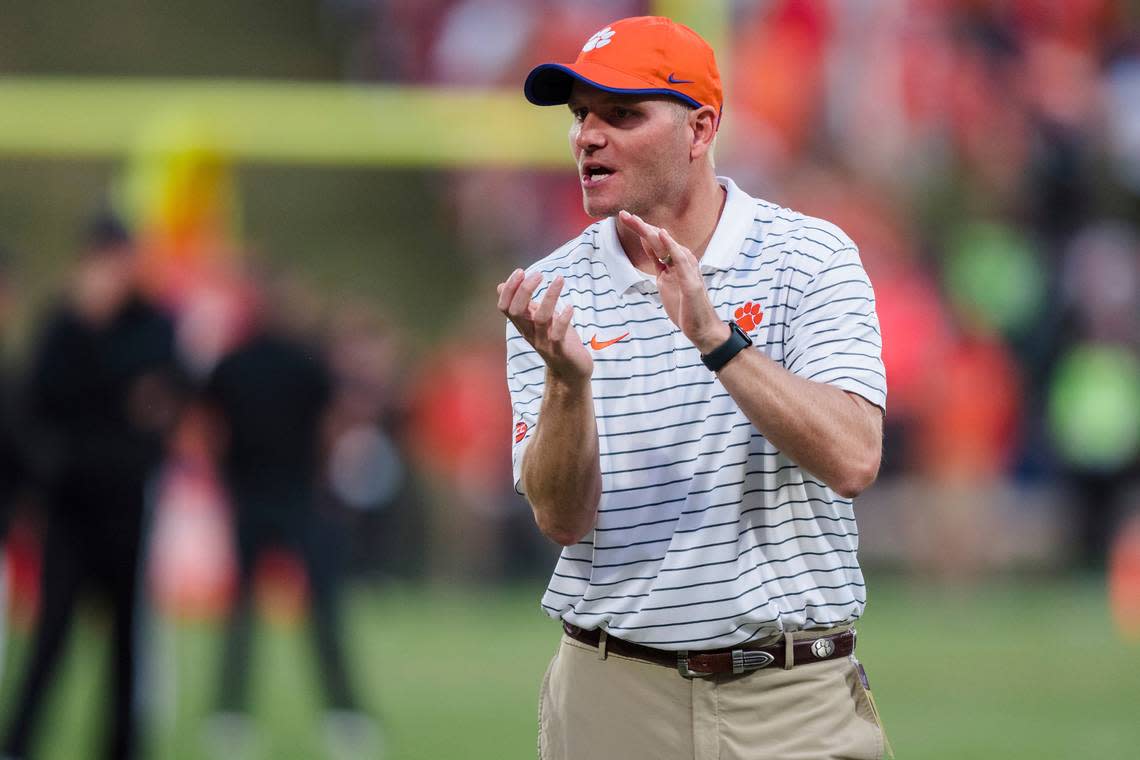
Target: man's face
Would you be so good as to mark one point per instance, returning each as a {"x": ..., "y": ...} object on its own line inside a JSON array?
[
  {"x": 103, "y": 281},
  {"x": 632, "y": 151}
]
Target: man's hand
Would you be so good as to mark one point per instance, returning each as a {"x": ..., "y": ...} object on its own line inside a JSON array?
[
  {"x": 561, "y": 469},
  {"x": 548, "y": 331},
  {"x": 680, "y": 283}
]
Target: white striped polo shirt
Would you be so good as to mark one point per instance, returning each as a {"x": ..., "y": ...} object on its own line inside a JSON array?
[{"x": 706, "y": 535}]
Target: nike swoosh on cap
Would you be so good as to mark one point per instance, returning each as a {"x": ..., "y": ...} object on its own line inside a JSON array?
[
  {"x": 674, "y": 80},
  {"x": 598, "y": 345}
]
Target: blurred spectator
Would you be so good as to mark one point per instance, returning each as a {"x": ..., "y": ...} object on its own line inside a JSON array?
[
  {"x": 270, "y": 398},
  {"x": 458, "y": 426},
  {"x": 1093, "y": 408},
  {"x": 367, "y": 469},
  {"x": 104, "y": 391},
  {"x": 13, "y": 470}
]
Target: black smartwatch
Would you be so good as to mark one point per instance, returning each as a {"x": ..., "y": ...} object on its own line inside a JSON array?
[{"x": 738, "y": 340}]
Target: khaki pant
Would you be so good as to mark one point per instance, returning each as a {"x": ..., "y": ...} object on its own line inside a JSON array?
[{"x": 617, "y": 708}]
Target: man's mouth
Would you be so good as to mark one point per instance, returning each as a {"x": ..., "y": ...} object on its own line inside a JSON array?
[{"x": 594, "y": 174}]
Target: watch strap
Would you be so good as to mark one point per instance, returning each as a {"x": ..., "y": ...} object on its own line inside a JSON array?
[{"x": 738, "y": 340}]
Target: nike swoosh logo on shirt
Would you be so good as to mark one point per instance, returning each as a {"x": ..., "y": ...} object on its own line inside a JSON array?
[
  {"x": 674, "y": 80},
  {"x": 598, "y": 345}
]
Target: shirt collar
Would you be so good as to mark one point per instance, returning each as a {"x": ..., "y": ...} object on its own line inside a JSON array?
[{"x": 723, "y": 248}]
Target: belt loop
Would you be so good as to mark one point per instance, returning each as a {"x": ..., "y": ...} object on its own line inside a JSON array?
[
  {"x": 789, "y": 651},
  {"x": 602, "y": 644}
]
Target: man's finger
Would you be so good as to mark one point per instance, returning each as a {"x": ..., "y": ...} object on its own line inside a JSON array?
[
  {"x": 560, "y": 324},
  {"x": 525, "y": 292},
  {"x": 634, "y": 222},
  {"x": 507, "y": 289},
  {"x": 677, "y": 254},
  {"x": 651, "y": 257},
  {"x": 545, "y": 311},
  {"x": 650, "y": 237}
]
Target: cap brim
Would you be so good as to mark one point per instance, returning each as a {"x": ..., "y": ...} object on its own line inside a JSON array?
[{"x": 549, "y": 84}]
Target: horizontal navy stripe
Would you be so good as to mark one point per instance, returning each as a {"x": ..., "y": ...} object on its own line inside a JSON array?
[
  {"x": 738, "y": 500},
  {"x": 816, "y": 291},
  {"x": 741, "y": 553},
  {"x": 832, "y": 302},
  {"x": 676, "y": 444},
  {"x": 876, "y": 389},
  {"x": 842, "y": 367},
  {"x": 690, "y": 494},
  {"x": 725, "y": 543},
  {"x": 702, "y": 621},
  {"x": 639, "y": 375},
  {"x": 759, "y": 626},
  {"x": 799, "y": 219},
  {"x": 720, "y": 600},
  {"x": 734, "y": 521},
  {"x": 841, "y": 353},
  {"x": 695, "y": 475},
  {"x": 796, "y": 353},
  {"x": 687, "y": 586},
  {"x": 654, "y": 392},
  {"x": 677, "y": 462},
  {"x": 683, "y": 423},
  {"x": 655, "y": 412}
]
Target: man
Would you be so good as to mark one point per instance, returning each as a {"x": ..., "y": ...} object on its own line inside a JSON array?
[
  {"x": 104, "y": 392},
  {"x": 691, "y": 426},
  {"x": 269, "y": 400}
]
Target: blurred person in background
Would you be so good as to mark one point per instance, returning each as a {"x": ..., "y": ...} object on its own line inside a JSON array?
[
  {"x": 13, "y": 466},
  {"x": 458, "y": 411},
  {"x": 702, "y": 488},
  {"x": 1093, "y": 404},
  {"x": 368, "y": 480},
  {"x": 104, "y": 392},
  {"x": 268, "y": 400}
]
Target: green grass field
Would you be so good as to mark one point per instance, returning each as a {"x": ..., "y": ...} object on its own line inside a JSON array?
[{"x": 1009, "y": 671}]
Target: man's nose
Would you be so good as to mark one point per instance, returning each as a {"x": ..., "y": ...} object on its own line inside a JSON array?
[{"x": 591, "y": 133}]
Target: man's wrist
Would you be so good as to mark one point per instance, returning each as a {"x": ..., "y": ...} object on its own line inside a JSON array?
[
  {"x": 566, "y": 385},
  {"x": 712, "y": 338},
  {"x": 737, "y": 341}
]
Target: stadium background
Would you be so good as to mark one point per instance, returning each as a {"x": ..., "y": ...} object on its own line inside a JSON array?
[{"x": 984, "y": 155}]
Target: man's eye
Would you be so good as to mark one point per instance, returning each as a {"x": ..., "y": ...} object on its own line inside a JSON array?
[
  {"x": 579, "y": 114},
  {"x": 623, "y": 113}
]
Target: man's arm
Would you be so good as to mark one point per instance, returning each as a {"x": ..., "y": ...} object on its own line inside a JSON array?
[
  {"x": 833, "y": 434},
  {"x": 561, "y": 471}
]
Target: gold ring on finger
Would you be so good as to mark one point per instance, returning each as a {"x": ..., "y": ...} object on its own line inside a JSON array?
[{"x": 667, "y": 259}]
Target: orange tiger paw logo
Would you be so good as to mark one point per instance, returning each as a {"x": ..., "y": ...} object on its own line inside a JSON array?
[{"x": 748, "y": 316}]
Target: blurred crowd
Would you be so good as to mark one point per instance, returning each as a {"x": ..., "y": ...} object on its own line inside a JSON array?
[
  {"x": 256, "y": 437},
  {"x": 986, "y": 158}
]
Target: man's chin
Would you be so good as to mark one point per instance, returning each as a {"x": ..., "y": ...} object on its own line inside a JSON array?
[{"x": 597, "y": 209}]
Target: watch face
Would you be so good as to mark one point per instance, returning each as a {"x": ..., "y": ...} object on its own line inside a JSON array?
[{"x": 740, "y": 331}]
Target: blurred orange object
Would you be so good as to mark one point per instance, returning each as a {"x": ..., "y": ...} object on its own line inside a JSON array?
[
  {"x": 1124, "y": 580},
  {"x": 780, "y": 71},
  {"x": 281, "y": 587},
  {"x": 970, "y": 426}
]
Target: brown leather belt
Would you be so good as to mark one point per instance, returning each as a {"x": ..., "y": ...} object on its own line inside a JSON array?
[{"x": 707, "y": 662}]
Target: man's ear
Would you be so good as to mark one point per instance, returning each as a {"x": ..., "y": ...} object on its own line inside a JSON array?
[{"x": 703, "y": 123}]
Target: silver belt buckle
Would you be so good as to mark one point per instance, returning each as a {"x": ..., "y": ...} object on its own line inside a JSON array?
[
  {"x": 743, "y": 661},
  {"x": 683, "y": 666}
]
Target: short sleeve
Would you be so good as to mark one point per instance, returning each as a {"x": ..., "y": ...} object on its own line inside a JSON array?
[
  {"x": 834, "y": 334},
  {"x": 526, "y": 377}
]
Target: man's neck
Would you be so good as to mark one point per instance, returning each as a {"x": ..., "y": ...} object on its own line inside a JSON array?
[{"x": 691, "y": 223}]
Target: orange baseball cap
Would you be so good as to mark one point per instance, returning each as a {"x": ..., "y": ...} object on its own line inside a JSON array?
[{"x": 649, "y": 55}]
